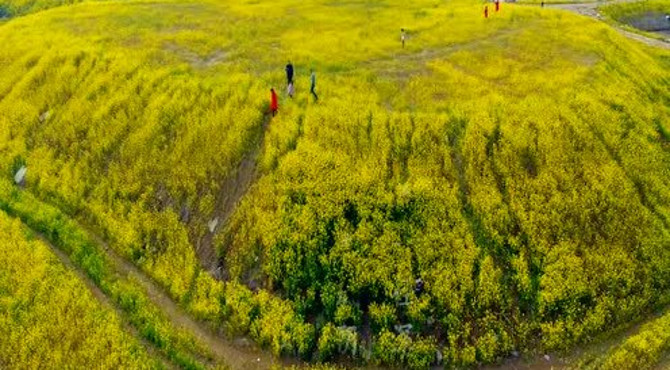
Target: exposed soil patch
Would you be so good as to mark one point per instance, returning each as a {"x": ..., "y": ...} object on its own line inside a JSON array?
[{"x": 195, "y": 60}]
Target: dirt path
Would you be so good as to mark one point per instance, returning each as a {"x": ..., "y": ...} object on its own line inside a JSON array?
[
  {"x": 588, "y": 355},
  {"x": 104, "y": 300},
  {"x": 664, "y": 364},
  {"x": 238, "y": 354},
  {"x": 232, "y": 191},
  {"x": 591, "y": 10}
]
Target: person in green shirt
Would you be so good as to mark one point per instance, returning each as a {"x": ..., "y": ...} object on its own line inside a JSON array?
[{"x": 312, "y": 86}]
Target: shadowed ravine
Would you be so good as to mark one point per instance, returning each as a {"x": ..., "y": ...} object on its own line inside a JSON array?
[{"x": 232, "y": 191}]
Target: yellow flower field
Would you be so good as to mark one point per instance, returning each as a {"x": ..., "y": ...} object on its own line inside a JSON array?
[{"x": 496, "y": 186}]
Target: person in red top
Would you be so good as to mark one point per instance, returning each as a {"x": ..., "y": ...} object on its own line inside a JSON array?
[
  {"x": 274, "y": 103},
  {"x": 486, "y": 11},
  {"x": 497, "y": 5}
]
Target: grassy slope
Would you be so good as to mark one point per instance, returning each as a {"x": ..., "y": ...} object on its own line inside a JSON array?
[
  {"x": 47, "y": 315},
  {"x": 517, "y": 164}
]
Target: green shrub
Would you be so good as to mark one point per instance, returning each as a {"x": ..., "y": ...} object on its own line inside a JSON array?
[
  {"x": 401, "y": 349},
  {"x": 382, "y": 316},
  {"x": 336, "y": 341}
]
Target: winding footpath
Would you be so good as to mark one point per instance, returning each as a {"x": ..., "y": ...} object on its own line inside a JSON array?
[
  {"x": 591, "y": 10},
  {"x": 237, "y": 354},
  {"x": 102, "y": 298}
]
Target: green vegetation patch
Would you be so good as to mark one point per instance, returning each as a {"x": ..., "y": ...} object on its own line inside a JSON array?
[
  {"x": 627, "y": 10},
  {"x": 13, "y": 8}
]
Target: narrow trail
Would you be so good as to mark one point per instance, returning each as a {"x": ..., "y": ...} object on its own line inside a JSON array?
[
  {"x": 589, "y": 355},
  {"x": 664, "y": 364},
  {"x": 231, "y": 193},
  {"x": 591, "y": 10},
  {"x": 103, "y": 299},
  {"x": 237, "y": 354}
]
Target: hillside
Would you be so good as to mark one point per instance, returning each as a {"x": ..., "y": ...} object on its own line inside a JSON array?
[{"x": 517, "y": 165}]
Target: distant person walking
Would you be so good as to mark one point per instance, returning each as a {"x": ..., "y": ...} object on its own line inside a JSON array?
[
  {"x": 486, "y": 11},
  {"x": 274, "y": 102},
  {"x": 289, "y": 73},
  {"x": 403, "y": 37},
  {"x": 497, "y": 6},
  {"x": 312, "y": 85},
  {"x": 542, "y": 4},
  {"x": 291, "y": 90}
]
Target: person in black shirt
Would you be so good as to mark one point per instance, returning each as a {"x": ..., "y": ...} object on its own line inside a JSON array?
[{"x": 289, "y": 73}]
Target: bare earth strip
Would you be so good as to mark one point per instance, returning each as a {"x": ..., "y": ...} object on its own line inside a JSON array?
[
  {"x": 240, "y": 354},
  {"x": 104, "y": 300}
]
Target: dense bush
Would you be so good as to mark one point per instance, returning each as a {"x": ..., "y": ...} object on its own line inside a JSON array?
[
  {"x": 400, "y": 349},
  {"x": 337, "y": 341}
]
